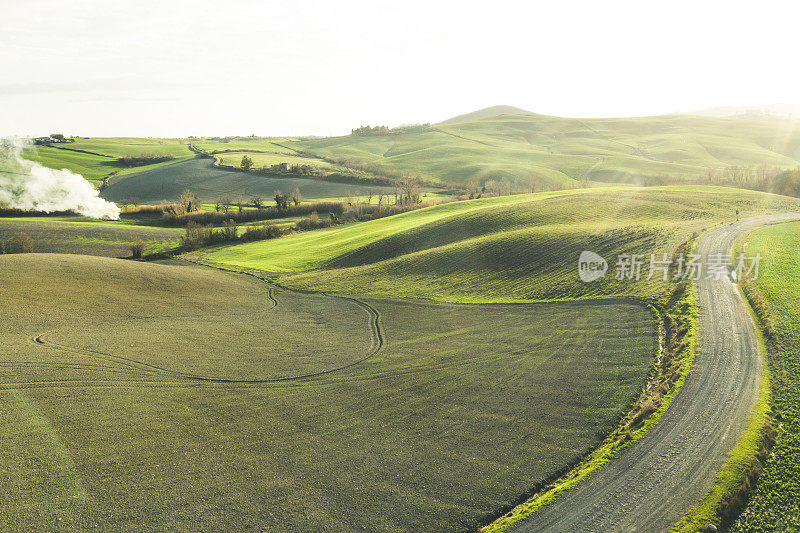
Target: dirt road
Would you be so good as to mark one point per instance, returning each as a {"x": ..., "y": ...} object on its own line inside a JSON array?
[{"x": 652, "y": 484}]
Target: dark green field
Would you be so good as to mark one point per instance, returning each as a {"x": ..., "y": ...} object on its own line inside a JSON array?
[
  {"x": 166, "y": 183},
  {"x": 125, "y": 404}
]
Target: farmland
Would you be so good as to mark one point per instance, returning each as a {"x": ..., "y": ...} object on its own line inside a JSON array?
[
  {"x": 382, "y": 433},
  {"x": 165, "y": 184},
  {"x": 100, "y": 161},
  {"x": 553, "y": 152},
  {"x": 773, "y": 504},
  {"x": 515, "y": 248},
  {"x": 78, "y": 235}
]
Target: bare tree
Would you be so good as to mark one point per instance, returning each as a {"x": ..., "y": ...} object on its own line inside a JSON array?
[
  {"x": 296, "y": 197},
  {"x": 225, "y": 204},
  {"x": 189, "y": 201}
]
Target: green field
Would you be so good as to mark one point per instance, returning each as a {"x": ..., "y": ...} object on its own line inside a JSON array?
[
  {"x": 99, "y": 164},
  {"x": 773, "y": 504},
  {"x": 139, "y": 413},
  {"x": 79, "y": 235},
  {"x": 261, "y": 160},
  {"x": 513, "y": 248}
]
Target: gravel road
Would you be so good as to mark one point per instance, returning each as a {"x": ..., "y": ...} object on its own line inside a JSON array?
[{"x": 652, "y": 484}]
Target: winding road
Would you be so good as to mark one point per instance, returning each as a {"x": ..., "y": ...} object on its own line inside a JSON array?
[{"x": 652, "y": 484}]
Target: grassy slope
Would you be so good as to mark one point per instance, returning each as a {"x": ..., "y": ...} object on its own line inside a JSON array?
[
  {"x": 413, "y": 438},
  {"x": 513, "y": 248},
  {"x": 95, "y": 167},
  {"x": 554, "y": 151},
  {"x": 773, "y": 504}
]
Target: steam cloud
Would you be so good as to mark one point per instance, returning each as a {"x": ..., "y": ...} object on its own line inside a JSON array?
[{"x": 29, "y": 185}]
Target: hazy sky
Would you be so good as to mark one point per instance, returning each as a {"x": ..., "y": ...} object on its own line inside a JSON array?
[{"x": 174, "y": 68}]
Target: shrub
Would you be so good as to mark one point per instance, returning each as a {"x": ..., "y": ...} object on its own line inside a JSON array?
[
  {"x": 196, "y": 236},
  {"x": 252, "y": 215},
  {"x": 229, "y": 230},
  {"x": 21, "y": 243},
  {"x": 260, "y": 233},
  {"x": 147, "y": 209},
  {"x": 137, "y": 248},
  {"x": 312, "y": 222},
  {"x": 143, "y": 159}
]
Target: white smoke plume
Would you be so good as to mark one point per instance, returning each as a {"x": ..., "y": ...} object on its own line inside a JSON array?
[{"x": 28, "y": 185}]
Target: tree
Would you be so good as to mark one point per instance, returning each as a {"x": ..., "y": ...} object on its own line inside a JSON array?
[
  {"x": 408, "y": 192},
  {"x": 281, "y": 200},
  {"x": 296, "y": 196},
  {"x": 247, "y": 163},
  {"x": 57, "y": 136},
  {"x": 189, "y": 201},
  {"x": 258, "y": 202}
]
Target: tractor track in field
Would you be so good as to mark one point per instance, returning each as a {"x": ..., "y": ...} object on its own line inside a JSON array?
[
  {"x": 652, "y": 484},
  {"x": 130, "y": 365}
]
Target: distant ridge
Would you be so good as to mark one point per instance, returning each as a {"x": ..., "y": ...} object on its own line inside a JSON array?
[
  {"x": 773, "y": 110},
  {"x": 488, "y": 112}
]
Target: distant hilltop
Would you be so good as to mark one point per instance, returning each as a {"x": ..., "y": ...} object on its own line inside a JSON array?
[{"x": 489, "y": 112}]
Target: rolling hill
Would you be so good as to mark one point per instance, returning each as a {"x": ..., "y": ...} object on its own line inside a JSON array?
[
  {"x": 488, "y": 112},
  {"x": 522, "y": 151},
  {"x": 538, "y": 152},
  {"x": 504, "y": 249}
]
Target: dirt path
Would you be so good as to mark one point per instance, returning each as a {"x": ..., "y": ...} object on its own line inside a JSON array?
[{"x": 652, "y": 484}]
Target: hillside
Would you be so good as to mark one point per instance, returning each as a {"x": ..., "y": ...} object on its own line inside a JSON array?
[
  {"x": 537, "y": 152},
  {"x": 489, "y": 112},
  {"x": 519, "y": 152},
  {"x": 95, "y": 158},
  {"x": 514, "y": 248}
]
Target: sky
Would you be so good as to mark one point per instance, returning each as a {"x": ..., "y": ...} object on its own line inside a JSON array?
[{"x": 175, "y": 68}]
